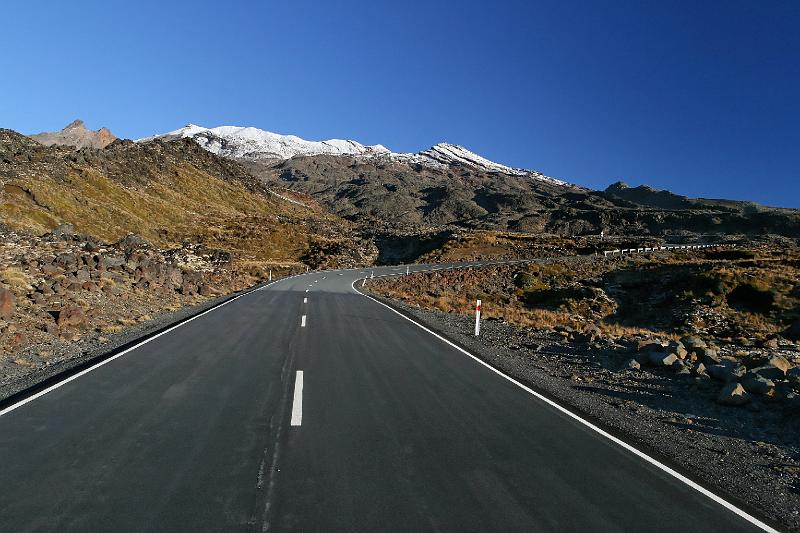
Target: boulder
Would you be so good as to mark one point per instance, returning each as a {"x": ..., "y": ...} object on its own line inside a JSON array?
[
  {"x": 132, "y": 242},
  {"x": 63, "y": 231},
  {"x": 90, "y": 286},
  {"x": 50, "y": 270},
  {"x": 662, "y": 358},
  {"x": 681, "y": 368},
  {"x": 691, "y": 342},
  {"x": 702, "y": 380},
  {"x": 71, "y": 316},
  {"x": 67, "y": 261},
  {"x": 678, "y": 349},
  {"x": 187, "y": 288},
  {"x": 756, "y": 384},
  {"x": 707, "y": 355},
  {"x": 18, "y": 339},
  {"x": 733, "y": 394},
  {"x": 8, "y": 304},
  {"x": 769, "y": 372},
  {"x": 770, "y": 343},
  {"x": 588, "y": 334},
  {"x": 649, "y": 345},
  {"x": 631, "y": 364},
  {"x": 780, "y": 361},
  {"x": 205, "y": 290},
  {"x": 113, "y": 262},
  {"x": 727, "y": 372}
]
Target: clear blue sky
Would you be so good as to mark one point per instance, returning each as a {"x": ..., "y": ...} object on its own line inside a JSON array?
[{"x": 699, "y": 97}]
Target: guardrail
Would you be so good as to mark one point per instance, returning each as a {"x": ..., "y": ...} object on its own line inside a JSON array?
[{"x": 667, "y": 248}]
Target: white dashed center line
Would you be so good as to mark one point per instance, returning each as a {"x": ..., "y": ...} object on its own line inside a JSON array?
[
  {"x": 297, "y": 405},
  {"x": 303, "y": 321}
]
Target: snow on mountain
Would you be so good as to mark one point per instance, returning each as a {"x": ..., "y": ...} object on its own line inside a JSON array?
[{"x": 253, "y": 143}]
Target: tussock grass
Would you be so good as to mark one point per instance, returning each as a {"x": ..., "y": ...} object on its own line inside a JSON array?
[{"x": 15, "y": 279}]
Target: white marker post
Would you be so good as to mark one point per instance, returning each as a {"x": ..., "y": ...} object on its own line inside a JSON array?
[
  {"x": 306, "y": 269},
  {"x": 372, "y": 274},
  {"x": 270, "y": 274},
  {"x": 407, "y": 270},
  {"x": 363, "y": 282},
  {"x": 478, "y": 318}
]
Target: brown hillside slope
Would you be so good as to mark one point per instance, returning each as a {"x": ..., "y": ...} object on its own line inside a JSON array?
[{"x": 167, "y": 192}]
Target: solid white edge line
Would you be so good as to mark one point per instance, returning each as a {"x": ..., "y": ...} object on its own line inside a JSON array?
[
  {"x": 85, "y": 371},
  {"x": 297, "y": 402},
  {"x": 642, "y": 455}
]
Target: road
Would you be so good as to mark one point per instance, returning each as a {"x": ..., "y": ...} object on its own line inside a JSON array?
[{"x": 306, "y": 406}]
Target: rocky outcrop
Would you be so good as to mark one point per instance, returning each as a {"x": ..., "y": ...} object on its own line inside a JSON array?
[{"x": 76, "y": 135}]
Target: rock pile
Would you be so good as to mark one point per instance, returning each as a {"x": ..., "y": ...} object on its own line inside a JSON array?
[
  {"x": 767, "y": 375},
  {"x": 64, "y": 285}
]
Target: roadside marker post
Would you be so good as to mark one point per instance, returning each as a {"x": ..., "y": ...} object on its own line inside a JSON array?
[
  {"x": 478, "y": 318},
  {"x": 407, "y": 270},
  {"x": 270, "y": 274},
  {"x": 372, "y": 274},
  {"x": 363, "y": 282},
  {"x": 306, "y": 269}
]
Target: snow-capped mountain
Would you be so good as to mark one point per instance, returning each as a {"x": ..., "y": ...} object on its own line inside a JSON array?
[{"x": 254, "y": 144}]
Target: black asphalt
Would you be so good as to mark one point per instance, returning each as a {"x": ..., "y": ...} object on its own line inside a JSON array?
[{"x": 400, "y": 432}]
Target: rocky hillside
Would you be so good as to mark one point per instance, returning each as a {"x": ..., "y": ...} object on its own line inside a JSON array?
[
  {"x": 449, "y": 187},
  {"x": 168, "y": 193},
  {"x": 397, "y": 195},
  {"x": 76, "y": 134}
]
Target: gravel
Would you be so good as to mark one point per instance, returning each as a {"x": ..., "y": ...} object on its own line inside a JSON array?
[{"x": 751, "y": 455}]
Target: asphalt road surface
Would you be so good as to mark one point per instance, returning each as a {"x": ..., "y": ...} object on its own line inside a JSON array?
[{"x": 306, "y": 406}]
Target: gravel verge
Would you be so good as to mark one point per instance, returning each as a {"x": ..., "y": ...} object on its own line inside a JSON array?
[{"x": 749, "y": 456}]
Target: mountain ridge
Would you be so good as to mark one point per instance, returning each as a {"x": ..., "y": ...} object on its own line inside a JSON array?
[{"x": 254, "y": 144}]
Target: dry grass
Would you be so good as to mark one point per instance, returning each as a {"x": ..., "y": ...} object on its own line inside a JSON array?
[
  {"x": 182, "y": 204},
  {"x": 631, "y": 297},
  {"x": 15, "y": 279}
]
